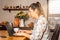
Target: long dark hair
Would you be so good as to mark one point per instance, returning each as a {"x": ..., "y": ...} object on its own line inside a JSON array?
[{"x": 37, "y": 6}]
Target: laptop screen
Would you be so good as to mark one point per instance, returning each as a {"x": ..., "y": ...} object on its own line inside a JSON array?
[{"x": 9, "y": 28}]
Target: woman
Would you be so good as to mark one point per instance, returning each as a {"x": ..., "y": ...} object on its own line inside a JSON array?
[{"x": 40, "y": 30}]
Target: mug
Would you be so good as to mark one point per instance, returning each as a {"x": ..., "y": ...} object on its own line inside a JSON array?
[{"x": 16, "y": 30}]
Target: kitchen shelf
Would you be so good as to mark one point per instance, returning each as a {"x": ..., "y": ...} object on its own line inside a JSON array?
[{"x": 15, "y": 9}]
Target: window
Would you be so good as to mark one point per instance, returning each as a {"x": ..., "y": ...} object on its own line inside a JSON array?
[{"x": 54, "y": 6}]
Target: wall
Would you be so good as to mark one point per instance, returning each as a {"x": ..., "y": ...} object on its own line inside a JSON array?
[{"x": 6, "y": 16}]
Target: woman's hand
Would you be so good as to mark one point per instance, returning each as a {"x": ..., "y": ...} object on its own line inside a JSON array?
[
  {"x": 25, "y": 34},
  {"x": 25, "y": 31},
  {"x": 22, "y": 34},
  {"x": 19, "y": 31}
]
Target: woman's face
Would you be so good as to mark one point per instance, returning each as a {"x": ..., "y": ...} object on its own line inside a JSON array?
[{"x": 32, "y": 13}]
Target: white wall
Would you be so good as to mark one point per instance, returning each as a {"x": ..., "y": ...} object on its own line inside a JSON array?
[{"x": 6, "y": 16}]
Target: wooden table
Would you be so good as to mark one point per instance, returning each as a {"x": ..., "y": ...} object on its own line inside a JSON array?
[{"x": 5, "y": 33}]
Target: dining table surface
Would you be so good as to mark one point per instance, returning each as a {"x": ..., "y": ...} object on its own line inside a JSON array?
[{"x": 4, "y": 36}]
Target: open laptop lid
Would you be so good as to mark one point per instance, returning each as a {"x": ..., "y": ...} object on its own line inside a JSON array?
[{"x": 9, "y": 28}]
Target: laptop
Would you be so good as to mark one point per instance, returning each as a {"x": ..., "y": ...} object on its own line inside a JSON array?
[{"x": 10, "y": 30}]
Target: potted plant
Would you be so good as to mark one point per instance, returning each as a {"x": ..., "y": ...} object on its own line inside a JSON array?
[{"x": 22, "y": 16}]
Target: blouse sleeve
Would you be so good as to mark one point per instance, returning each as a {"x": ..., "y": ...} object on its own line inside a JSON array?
[{"x": 39, "y": 29}]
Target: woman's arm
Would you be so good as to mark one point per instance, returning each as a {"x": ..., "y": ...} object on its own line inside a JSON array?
[
  {"x": 28, "y": 31},
  {"x": 27, "y": 35},
  {"x": 22, "y": 34}
]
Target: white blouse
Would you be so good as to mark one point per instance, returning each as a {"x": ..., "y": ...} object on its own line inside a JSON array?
[{"x": 37, "y": 32}]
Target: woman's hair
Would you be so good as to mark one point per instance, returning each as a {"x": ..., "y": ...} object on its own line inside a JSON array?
[{"x": 37, "y": 6}]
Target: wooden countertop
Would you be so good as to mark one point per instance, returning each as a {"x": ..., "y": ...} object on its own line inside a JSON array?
[
  {"x": 13, "y": 38},
  {"x": 5, "y": 33}
]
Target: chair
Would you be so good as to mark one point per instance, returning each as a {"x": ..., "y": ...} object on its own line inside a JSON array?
[{"x": 55, "y": 35}]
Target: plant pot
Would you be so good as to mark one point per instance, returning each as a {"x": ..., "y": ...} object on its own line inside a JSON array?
[{"x": 21, "y": 23}]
